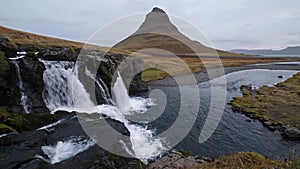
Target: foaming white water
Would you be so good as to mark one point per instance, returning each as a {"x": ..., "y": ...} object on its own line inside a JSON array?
[
  {"x": 63, "y": 150},
  {"x": 139, "y": 104},
  {"x": 64, "y": 91},
  {"x": 100, "y": 84},
  {"x": 3, "y": 135},
  {"x": 51, "y": 125},
  {"x": 120, "y": 94},
  {"x": 126, "y": 104},
  {"x": 144, "y": 145},
  {"x": 17, "y": 57}
]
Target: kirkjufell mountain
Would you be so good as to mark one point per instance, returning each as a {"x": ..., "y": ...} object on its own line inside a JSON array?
[{"x": 158, "y": 32}]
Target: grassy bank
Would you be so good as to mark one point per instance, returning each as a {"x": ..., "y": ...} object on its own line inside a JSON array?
[
  {"x": 176, "y": 66},
  {"x": 250, "y": 160},
  {"x": 278, "y": 104}
]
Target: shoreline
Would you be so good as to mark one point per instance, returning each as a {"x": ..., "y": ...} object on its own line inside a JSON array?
[{"x": 203, "y": 75}]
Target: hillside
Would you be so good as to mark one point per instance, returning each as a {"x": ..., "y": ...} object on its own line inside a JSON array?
[
  {"x": 20, "y": 38},
  {"x": 157, "y": 31},
  {"x": 294, "y": 50}
]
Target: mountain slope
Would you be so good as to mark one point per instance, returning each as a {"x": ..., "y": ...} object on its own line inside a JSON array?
[
  {"x": 157, "y": 31},
  {"x": 21, "y": 38}
]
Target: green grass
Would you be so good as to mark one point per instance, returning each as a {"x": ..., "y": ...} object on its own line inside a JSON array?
[
  {"x": 278, "y": 104},
  {"x": 150, "y": 74}
]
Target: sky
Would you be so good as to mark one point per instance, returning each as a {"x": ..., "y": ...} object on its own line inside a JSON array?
[{"x": 230, "y": 24}]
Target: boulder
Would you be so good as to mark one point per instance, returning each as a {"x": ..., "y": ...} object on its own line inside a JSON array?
[
  {"x": 246, "y": 87},
  {"x": 291, "y": 133}
]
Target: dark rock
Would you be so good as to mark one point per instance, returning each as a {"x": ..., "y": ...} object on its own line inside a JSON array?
[
  {"x": 156, "y": 9},
  {"x": 130, "y": 70},
  {"x": 5, "y": 68},
  {"x": 267, "y": 123},
  {"x": 271, "y": 126},
  {"x": 28, "y": 48},
  {"x": 246, "y": 87},
  {"x": 280, "y": 76},
  {"x": 52, "y": 54},
  {"x": 176, "y": 160},
  {"x": 20, "y": 150},
  {"x": 291, "y": 133},
  {"x": 31, "y": 71},
  {"x": 9, "y": 48}
]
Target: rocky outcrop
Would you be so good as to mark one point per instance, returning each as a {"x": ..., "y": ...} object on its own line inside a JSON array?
[
  {"x": 291, "y": 133},
  {"x": 9, "y": 48},
  {"x": 177, "y": 160},
  {"x": 4, "y": 78},
  {"x": 246, "y": 87},
  {"x": 32, "y": 75},
  {"x": 129, "y": 68},
  {"x": 31, "y": 72},
  {"x": 53, "y": 54},
  {"x": 21, "y": 149}
]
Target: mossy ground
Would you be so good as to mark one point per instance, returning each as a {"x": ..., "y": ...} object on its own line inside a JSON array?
[
  {"x": 10, "y": 122},
  {"x": 4, "y": 67},
  {"x": 278, "y": 104}
]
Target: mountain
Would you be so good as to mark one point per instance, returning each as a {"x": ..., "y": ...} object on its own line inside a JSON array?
[
  {"x": 158, "y": 32},
  {"x": 295, "y": 50}
]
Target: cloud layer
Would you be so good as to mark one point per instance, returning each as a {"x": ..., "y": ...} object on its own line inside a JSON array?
[{"x": 228, "y": 24}]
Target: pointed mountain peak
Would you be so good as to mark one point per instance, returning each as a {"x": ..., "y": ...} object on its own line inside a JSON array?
[
  {"x": 158, "y": 32},
  {"x": 157, "y": 9}
]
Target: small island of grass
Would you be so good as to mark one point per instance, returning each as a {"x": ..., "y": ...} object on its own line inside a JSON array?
[{"x": 277, "y": 106}]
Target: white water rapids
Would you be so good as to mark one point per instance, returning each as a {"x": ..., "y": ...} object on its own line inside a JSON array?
[{"x": 64, "y": 91}]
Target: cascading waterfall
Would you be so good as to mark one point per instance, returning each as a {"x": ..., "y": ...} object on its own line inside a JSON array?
[
  {"x": 64, "y": 91},
  {"x": 121, "y": 95},
  {"x": 101, "y": 85},
  {"x": 23, "y": 98}
]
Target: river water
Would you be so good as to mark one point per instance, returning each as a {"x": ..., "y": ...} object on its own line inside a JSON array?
[{"x": 235, "y": 132}]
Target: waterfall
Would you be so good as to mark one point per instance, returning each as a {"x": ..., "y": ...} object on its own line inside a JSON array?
[
  {"x": 101, "y": 86},
  {"x": 121, "y": 95},
  {"x": 23, "y": 99},
  {"x": 64, "y": 91}
]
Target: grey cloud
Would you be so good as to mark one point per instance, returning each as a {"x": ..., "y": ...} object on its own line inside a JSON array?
[{"x": 231, "y": 24}]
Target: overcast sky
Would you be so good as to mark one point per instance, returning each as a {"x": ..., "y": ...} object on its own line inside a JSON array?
[{"x": 229, "y": 24}]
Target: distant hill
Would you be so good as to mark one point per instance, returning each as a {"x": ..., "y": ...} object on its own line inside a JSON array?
[
  {"x": 295, "y": 50},
  {"x": 152, "y": 34},
  {"x": 20, "y": 38},
  {"x": 26, "y": 40}
]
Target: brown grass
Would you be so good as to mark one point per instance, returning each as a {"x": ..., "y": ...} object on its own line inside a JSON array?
[{"x": 243, "y": 160}]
